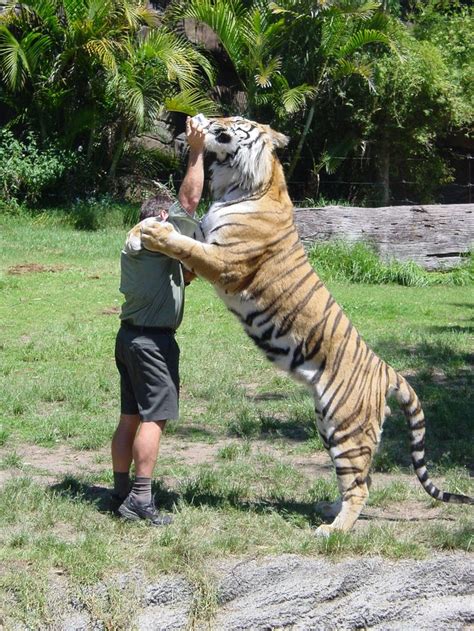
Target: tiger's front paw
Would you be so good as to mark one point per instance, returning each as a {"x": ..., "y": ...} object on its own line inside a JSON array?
[
  {"x": 133, "y": 242},
  {"x": 155, "y": 235}
]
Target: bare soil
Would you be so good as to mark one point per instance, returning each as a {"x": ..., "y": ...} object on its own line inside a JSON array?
[
  {"x": 34, "y": 268},
  {"x": 50, "y": 465}
]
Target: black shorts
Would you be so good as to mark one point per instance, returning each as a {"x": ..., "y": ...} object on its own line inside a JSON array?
[{"x": 148, "y": 364}]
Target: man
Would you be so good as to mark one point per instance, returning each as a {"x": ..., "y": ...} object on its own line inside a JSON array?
[{"x": 146, "y": 352}]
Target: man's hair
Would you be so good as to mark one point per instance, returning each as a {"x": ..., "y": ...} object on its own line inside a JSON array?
[{"x": 152, "y": 207}]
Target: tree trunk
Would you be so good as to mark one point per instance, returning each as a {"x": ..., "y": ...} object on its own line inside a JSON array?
[
  {"x": 434, "y": 236},
  {"x": 118, "y": 152},
  {"x": 299, "y": 148},
  {"x": 384, "y": 173}
]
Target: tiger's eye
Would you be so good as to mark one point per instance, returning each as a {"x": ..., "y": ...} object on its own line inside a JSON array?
[{"x": 223, "y": 137}]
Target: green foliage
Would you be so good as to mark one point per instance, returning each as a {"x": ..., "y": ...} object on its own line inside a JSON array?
[
  {"x": 324, "y": 47},
  {"x": 360, "y": 263},
  {"x": 26, "y": 170},
  {"x": 251, "y": 37},
  {"x": 90, "y": 75},
  {"x": 345, "y": 79},
  {"x": 451, "y": 32},
  {"x": 103, "y": 212}
]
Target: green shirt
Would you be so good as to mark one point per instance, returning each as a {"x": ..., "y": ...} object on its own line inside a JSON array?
[{"x": 152, "y": 283}]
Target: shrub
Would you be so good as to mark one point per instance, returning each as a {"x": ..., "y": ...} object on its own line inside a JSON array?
[
  {"x": 26, "y": 170},
  {"x": 103, "y": 212}
]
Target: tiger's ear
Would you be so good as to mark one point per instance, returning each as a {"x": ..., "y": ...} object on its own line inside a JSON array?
[{"x": 279, "y": 140}]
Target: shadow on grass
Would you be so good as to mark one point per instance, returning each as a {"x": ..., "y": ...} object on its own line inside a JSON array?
[
  {"x": 444, "y": 383},
  {"x": 286, "y": 508},
  {"x": 76, "y": 490},
  {"x": 267, "y": 396}
]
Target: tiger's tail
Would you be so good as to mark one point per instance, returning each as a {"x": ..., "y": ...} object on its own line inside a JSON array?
[{"x": 410, "y": 404}]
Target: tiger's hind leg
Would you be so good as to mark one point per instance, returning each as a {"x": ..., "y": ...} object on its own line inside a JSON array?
[
  {"x": 352, "y": 469},
  {"x": 326, "y": 509},
  {"x": 351, "y": 503}
]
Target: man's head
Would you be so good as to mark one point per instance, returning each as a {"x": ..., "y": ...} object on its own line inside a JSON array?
[{"x": 157, "y": 206}]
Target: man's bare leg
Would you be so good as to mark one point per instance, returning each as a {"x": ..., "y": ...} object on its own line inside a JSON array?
[
  {"x": 145, "y": 454},
  {"x": 139, "y": 503},
  {"x": 122, "y": 446}
]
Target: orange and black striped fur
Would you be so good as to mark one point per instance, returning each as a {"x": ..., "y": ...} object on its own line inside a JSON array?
[{"x": 250, "y": 251}]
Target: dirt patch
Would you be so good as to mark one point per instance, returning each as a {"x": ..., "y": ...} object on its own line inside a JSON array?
[
  {"x": 110, "y": 311},
  {"x": 288, "y": 591},
  {"x": 48, "y": 466},
  {"x": 34, "y": 268}
]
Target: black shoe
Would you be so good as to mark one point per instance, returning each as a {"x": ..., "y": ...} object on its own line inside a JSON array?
[
  {"x": 132, "y": 511},
  {"x": 115, "y": 501}
]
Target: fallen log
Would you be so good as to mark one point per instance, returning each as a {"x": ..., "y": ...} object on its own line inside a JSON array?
[{"x": 434, "y": 236}]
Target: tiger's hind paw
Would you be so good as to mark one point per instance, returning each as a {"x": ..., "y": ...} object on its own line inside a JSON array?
[{"x": 324, "y": 531}]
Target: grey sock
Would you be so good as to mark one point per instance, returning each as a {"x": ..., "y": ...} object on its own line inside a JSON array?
[
  {"x": 141, "y": 491},
  {"x": 122, "y": 483}
]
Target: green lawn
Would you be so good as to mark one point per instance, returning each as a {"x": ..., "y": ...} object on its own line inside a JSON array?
[{"x": 254, "y": 491}]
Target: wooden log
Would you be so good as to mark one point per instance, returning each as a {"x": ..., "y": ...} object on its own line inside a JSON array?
[{"x": 434, "y": 236}]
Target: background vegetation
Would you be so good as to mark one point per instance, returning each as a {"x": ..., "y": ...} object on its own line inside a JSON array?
[{"x": 376, "y": 97}]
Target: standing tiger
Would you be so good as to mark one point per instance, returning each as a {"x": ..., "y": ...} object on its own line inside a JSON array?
[{"x": 249, "y": 249}]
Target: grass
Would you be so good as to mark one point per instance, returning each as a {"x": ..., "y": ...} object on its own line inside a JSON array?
[
  {"x": 254, "y": 492},
  {"x": 359, "y": 263}
]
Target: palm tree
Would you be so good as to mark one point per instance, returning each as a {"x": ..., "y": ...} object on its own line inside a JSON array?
[
  {"x": 251, "y": 38},
  {"x": 96, "y": 72},
  {"x": 324, "y": 44},
  {"x": 146, "y": 83}
]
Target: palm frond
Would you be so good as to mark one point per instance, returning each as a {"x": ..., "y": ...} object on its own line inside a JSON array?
[
  {"x": 263, "y": 78},
  {"x": 191, "y": 102},
  {"x": 346, "y": 67},
  {"x": 259, "y": 33},
  {"x": 104, "y": 50},
  {"x": 19, "y": 58},
  {"x": 360, "y": 39},
  {"x": 354, "y": 9},
  {"x": 13, "y": 65},
  {"x": 223, "y": 18},
  {"x": 333, "y": 32},
  {"x": 137, "y": 15},
  {"x": 181, "y": 60},
  {"x": 74, "y": 10},
  {"x": 294, "y": 99}
]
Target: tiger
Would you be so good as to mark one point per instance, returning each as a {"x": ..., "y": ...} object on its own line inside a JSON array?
[{"x": 248, "y": 247}]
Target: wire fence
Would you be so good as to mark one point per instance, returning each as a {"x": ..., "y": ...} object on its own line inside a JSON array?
[
  {"x": 366, "y": 192},
  {"x": 401, "y": 190}
]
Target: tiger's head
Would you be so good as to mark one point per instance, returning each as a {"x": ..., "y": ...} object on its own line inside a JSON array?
[{"x": 244, "y": 155}]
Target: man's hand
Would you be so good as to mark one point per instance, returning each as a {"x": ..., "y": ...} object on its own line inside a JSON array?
[
  {"x": 188, "y": 276},
  {"x": 195, "y": 135}
]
